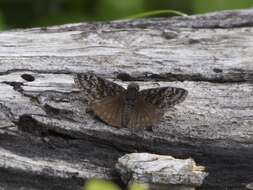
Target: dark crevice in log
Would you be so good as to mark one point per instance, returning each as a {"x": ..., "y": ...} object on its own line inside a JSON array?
[
  {"x": 35, "y": 71},
  {"x": 29, "y": 181},
  {"x": 233, "y": 75},
  {"x": 28, "y": 77},
  {"x": 57, "y": 148},
  {"x": 28, "y": 124},
  {"x": 16, "y": 85},
  {"x": 56, "y": 112},
  {"x": 171, "y": 77}
]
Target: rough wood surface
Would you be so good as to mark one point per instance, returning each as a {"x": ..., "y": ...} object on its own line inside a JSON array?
[
  {"x": 160, "y": 172},
  {"x": 47, "y": 141}
]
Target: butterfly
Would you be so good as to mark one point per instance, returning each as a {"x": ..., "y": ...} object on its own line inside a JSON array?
[{"x": 131, "y": 108}]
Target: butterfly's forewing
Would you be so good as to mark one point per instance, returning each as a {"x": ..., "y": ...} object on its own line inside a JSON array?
[
  {"x": 144, "y": 115},
  {"x": 164, "y": 97},
  {"x": 96, "y": 88},
  {"x": 109, "y": 109}
]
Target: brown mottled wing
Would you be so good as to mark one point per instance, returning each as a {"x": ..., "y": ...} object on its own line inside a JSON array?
[
  {"x": 109, "y": 109},
  {"x": 144, "y": 115},
  {"x": 96, "y": 88},
  {"x": 164, "y": 97}
]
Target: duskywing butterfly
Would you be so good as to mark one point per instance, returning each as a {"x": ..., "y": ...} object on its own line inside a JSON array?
[{"x": 120, "y": 107}]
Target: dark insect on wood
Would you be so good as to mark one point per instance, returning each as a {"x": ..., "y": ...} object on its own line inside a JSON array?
[{"x": 120, "y": 107}]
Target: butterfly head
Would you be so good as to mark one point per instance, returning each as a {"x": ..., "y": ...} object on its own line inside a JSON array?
[
  {"x": 132, "y": 91},
  {"x": 133, "y": 86}
]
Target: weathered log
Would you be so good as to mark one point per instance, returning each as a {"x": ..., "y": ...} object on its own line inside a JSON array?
[{"x": 45, "y": 133}]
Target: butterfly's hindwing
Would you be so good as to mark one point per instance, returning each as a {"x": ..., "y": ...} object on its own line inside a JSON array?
[
  {"x": 109, "y": 109},
  {"x": 96, "y": 88},
  {"x": 164, "y": 97},
  {"x": 144, "y": 115}
]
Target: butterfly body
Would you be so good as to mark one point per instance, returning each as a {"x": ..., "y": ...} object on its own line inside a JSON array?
[
  {"x": 129, "y": 107},
  {"x": 130, "y": 100}
]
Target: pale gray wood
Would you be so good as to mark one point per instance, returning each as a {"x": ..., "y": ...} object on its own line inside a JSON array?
[
  {"x": 44, "y": 119},
  {"x": 160, "y": 172}
]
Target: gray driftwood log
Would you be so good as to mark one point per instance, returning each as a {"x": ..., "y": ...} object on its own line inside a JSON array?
[{"x": 47, "y": 141}]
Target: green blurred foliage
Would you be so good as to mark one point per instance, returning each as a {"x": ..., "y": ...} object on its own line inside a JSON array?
[
  {"x": 137, "y": 186},
  {"x": 99, "y": 184},
  {"x": 112, "y": 9},
  {"x": 31, "y": 13},
  {"x": 2, "y": 23},
  {"x": 184, "y": 6},
  {"x": 200, "y": 6}
]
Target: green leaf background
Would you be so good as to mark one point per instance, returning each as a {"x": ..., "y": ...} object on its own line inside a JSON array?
[{"x": 31, "y": 13}]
